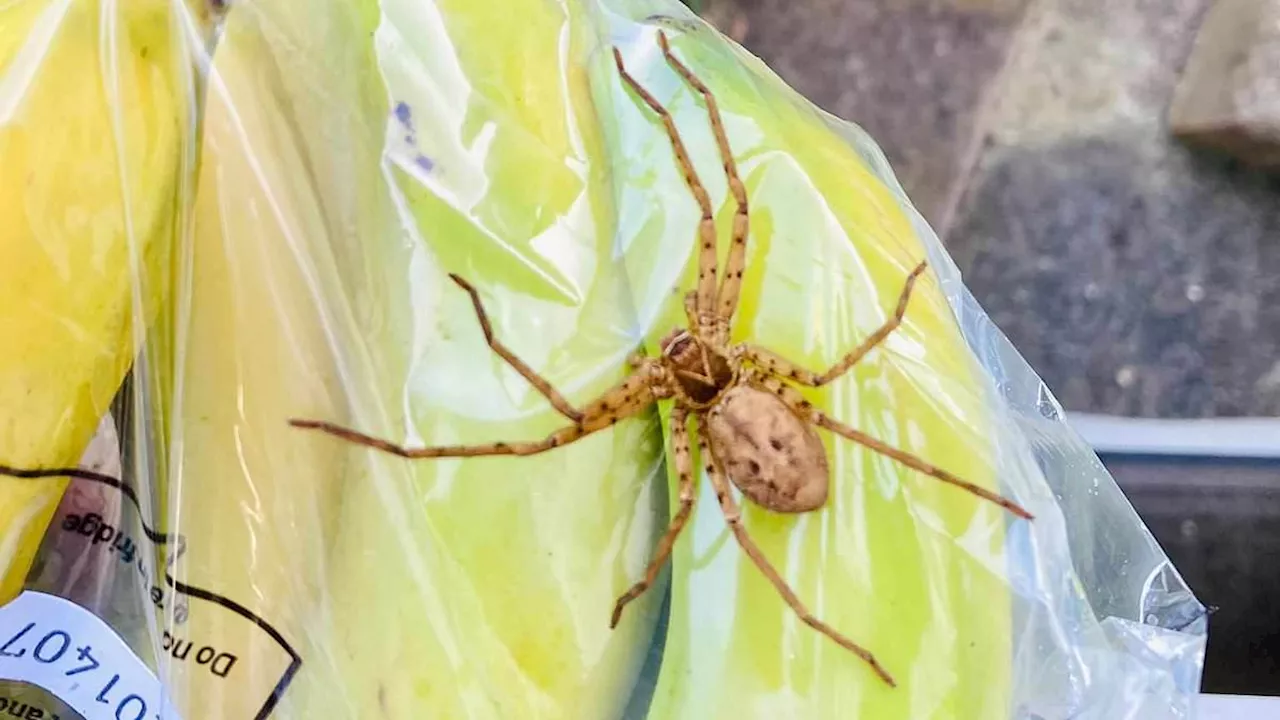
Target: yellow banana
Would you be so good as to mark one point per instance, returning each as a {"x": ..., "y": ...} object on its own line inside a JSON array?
[
  {"x": 249, "y": 337},
  {"x": 96, "y": 129},
  {"x": 906, "y": 566}
]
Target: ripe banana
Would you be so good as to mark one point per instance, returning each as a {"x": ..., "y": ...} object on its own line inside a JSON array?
[
  {"x": 908, "y": 567},
  {"x": 249, "y": 337},
  {"x": 96, "y": 128}
]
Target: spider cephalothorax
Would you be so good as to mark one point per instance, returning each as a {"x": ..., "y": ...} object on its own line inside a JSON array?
[
  {"x": 755, "y": 429},
  {"x": 699, "y": 372}
]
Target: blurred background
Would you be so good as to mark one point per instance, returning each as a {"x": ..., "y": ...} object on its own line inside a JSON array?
[{"x": 1106, "y": 173}]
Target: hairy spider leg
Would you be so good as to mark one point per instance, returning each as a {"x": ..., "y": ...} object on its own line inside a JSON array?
[
  {"x": 625, "y": 399},
  {"x": 777, "y": 365},
  {"x": 805, "y": 409},
  {"x": 707, "y": 270},
  {"x": 684, "y": 468},
  {"x": 733, "y": 516},
  {"x": 735, "y": 265},
  {"x": 545, "y": 388}
]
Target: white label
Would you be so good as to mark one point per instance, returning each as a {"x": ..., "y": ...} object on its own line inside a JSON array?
[{"x": 57, "y": 645}]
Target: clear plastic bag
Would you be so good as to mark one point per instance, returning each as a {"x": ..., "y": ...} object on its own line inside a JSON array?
[{"x": 355, "y": 154}]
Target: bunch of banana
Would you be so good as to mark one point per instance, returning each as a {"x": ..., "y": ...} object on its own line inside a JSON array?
[
  {"x": 354, "y": 154},
  {"x": 357, "y": 154},
  {"x": 97, "y": 128}
]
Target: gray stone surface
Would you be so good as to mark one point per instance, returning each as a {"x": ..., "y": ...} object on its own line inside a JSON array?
[
  {"x": 916, "y": 74},
  {"x": 1229, "y": 97},
  {"x": 1137, "y": 276},
  {"x": 1142, "y": 286}
]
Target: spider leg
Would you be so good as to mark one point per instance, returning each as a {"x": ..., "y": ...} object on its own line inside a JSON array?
[
  {"x": 805, "y": 409},
  {"x": 627, "y": 398},
  {"x": 731, "y": 283},
  {"x": 777, "y": 365},
  {"x": 707, "y": 269},
  {"x": 733, "y": 516},
  {"x": 684, "y": 467},
  {"x": 545, "y": 388}
]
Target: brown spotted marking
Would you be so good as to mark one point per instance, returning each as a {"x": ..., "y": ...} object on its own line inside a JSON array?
[{"x": 775, "y": 458}]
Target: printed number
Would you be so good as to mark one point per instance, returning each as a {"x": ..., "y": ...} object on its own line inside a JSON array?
[
  {"x": 84, "y": 657},
  {"x": 132, "y": 707},
  {"x": 53, "y": 646},
  {"x": 4, "y": 650},
  {"x": 102, "y": 696},
  {"x": 138, "y": 714},
  {"x": 66, "y": 641}
]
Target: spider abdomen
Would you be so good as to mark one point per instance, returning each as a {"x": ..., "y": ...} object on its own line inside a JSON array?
[{"x": 774, "y": 457}]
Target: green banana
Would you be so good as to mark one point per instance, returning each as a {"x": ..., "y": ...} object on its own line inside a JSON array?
[
  {"x": 96, "y": 132},
  {"x": 908, "y": 567},
  {"x": 505, "y": 569}
]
